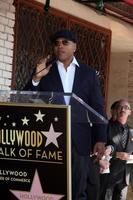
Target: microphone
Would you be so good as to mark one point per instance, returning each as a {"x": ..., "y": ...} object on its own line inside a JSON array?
[{"x": 50, "y": 62}]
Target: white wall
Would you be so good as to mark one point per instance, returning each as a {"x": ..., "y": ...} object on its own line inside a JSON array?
[
  {"x": 118, "y": 77},
  {"x": 7, "y": 17}
]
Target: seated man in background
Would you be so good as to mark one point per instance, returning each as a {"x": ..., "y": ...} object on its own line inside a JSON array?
[{"x": 121, "y": 138}]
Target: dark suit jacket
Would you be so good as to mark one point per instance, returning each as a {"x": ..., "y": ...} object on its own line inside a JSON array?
[
  {"x": 119, "y": 170},
  {"x": 86, "y": 86}
]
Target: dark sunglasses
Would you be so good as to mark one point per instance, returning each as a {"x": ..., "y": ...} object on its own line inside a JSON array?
[{"x": 64, "y": 42}]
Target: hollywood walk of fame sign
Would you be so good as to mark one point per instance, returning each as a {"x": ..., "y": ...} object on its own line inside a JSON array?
[{"x": 35, "y": 160}]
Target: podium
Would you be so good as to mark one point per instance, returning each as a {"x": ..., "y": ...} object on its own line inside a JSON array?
[{"x": 35, "y": 143}]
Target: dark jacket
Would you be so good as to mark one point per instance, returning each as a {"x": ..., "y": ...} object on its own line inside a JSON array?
[
  {"x": 119, "y": 170},
  {"x": 86, "y": 86}
]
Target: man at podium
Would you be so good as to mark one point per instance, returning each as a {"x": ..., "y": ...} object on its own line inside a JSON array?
[{"x": 66, "y": 74}]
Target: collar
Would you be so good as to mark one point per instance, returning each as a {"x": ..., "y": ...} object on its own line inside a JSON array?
[
  {"x": 122, "y": 126},
  {"x": 74, "y": 62}
]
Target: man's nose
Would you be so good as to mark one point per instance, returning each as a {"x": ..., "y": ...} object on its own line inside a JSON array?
[{"x": 60, "y": 44}]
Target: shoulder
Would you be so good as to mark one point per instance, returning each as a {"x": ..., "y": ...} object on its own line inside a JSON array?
[
  {"x": 113, "y": 123},
  {"x": 131, "y": 131},
  {"x": 114, "y": 126},
  {"x": 90, "y": 72},
  {"x": 88, "y": 68},
  {"x": 82, "y": 64}
]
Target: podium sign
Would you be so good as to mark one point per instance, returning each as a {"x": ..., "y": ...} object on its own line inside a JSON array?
[
  {"x": 35, "y": 146},
  {"x": 35, "y": 143}
]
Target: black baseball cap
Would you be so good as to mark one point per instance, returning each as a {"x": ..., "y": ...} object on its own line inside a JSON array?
[{"x": 64, "y": 33}]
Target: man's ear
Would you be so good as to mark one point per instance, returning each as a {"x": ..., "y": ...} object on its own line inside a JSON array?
[
  {"x": 75, "y": 47},
  {"x": 130, "y": 112}
]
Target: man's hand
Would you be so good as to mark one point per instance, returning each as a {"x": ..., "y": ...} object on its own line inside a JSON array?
[
  {"x": 99, "y": 150},
  {"x": 104, "y": 164},
  {"x": 42, "y": 69},
  {"x": 108, "y": 151},
  {"x": 122, "y": 155}
]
